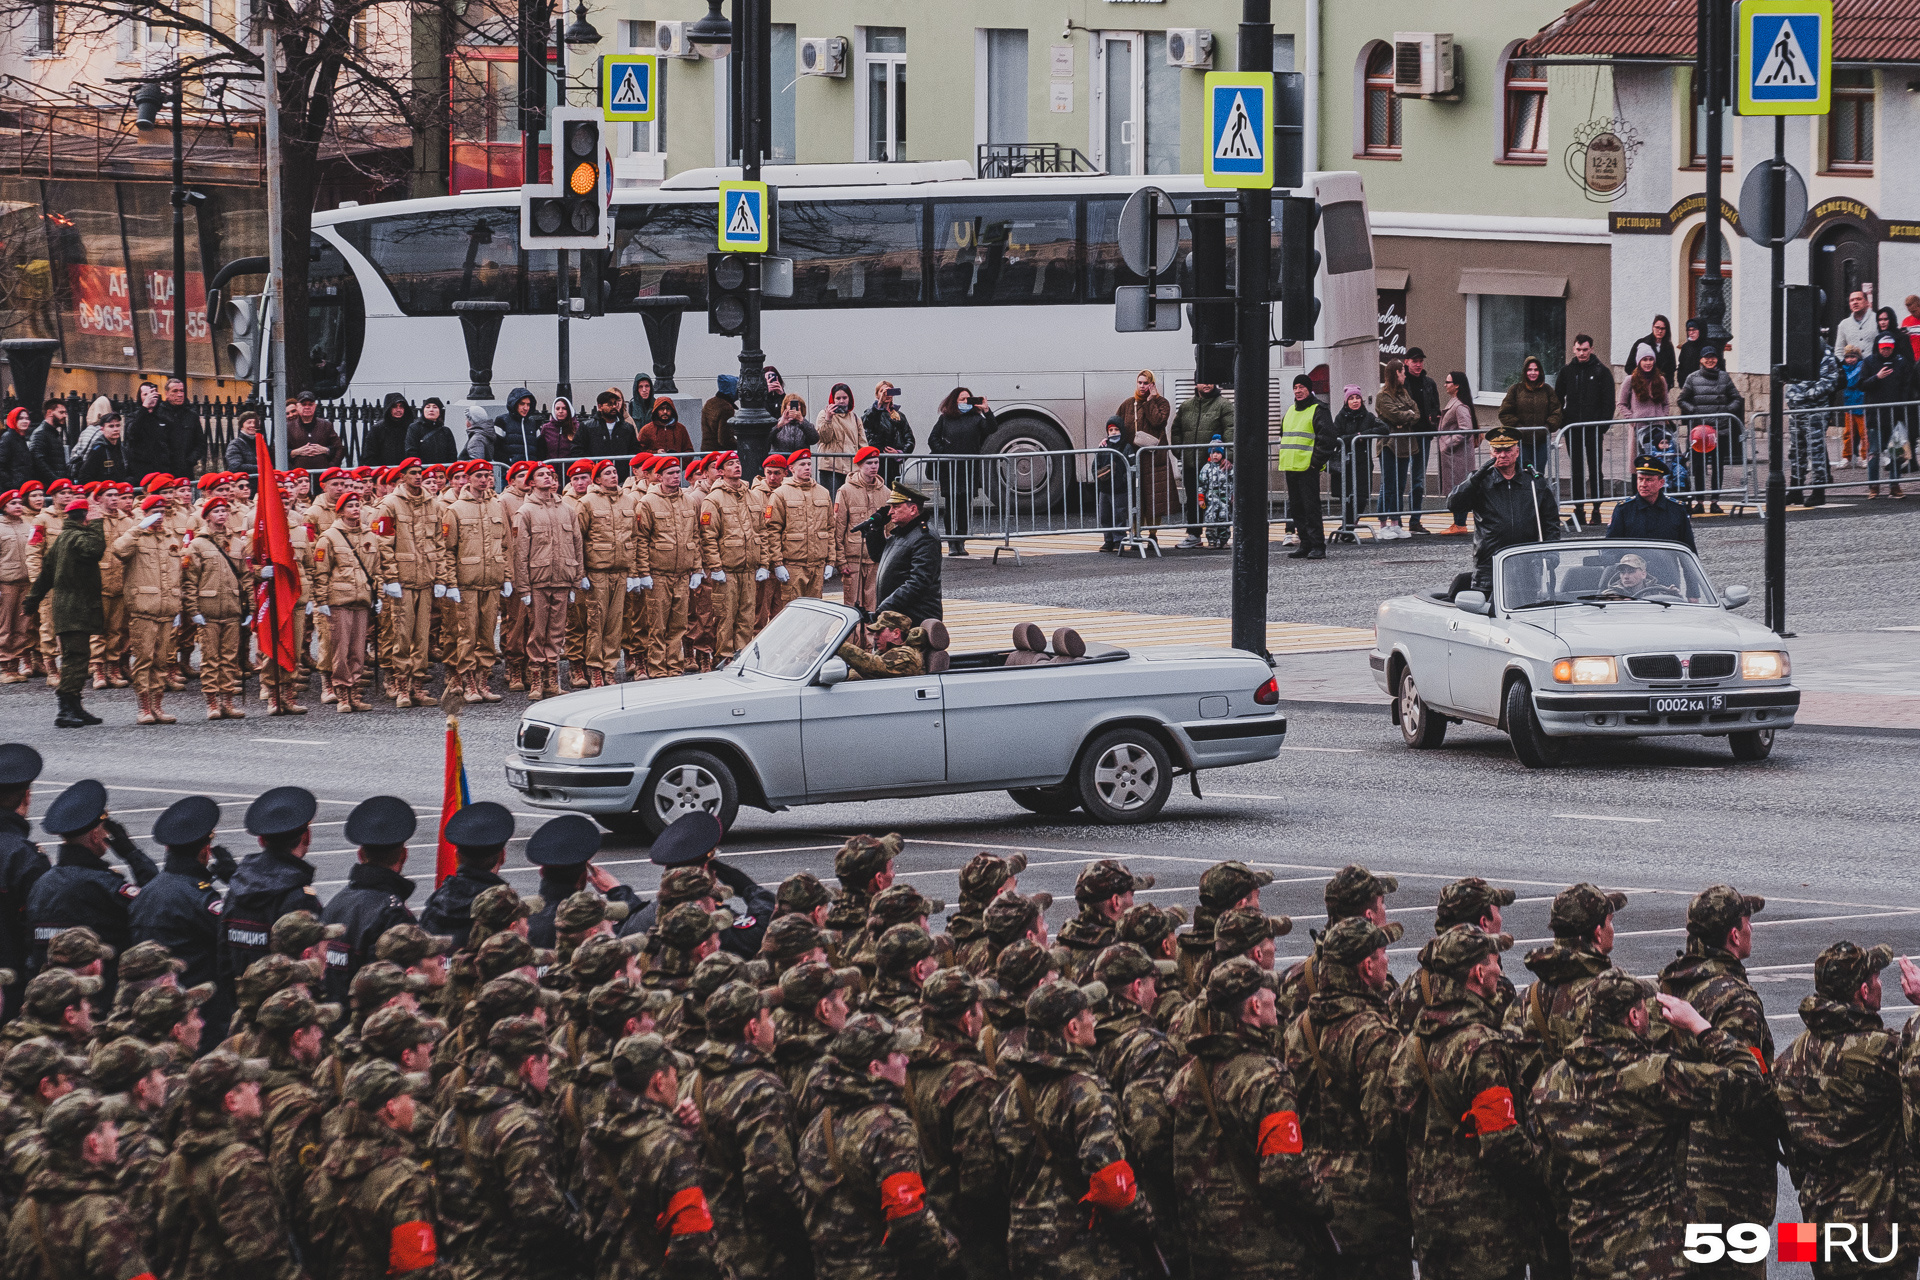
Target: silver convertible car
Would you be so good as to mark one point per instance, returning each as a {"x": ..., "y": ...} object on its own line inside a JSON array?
[
  {"x": 1062, "y": 725},
  {"x": 1603, "y": 639}
]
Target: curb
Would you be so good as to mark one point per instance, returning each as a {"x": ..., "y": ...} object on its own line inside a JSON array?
[{"x": 1299, "y": 705}]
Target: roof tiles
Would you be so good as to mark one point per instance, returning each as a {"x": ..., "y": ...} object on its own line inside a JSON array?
[{"x": 1864, "y": 30}]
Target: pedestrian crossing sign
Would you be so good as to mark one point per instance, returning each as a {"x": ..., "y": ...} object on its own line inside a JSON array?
[
  {"x": 1239, "y": 129},
  {"x": 628, "y": 83},
  {"x": 743, "y": 217},
  {"x": 1785, "y": 57}
]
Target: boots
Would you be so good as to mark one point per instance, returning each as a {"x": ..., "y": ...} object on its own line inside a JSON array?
[
  {"x": 99, "y": 670},
  {"x": 576, "y": 679},
  {"x": 552, "y": 685},
  {"x": 213, "y": 707},
  {"x": 53, "y": 664},
  {"x": 160, "y": 715},
  {"x": 326, "y": 687},
  {"x": 271, "y": 692},
  {"x": 358, "y": 700},
  {"x": 146, "y": 710},
  {"x": 290, "y": 699},
  {"x": 470, "y": 686},
  {"x": 402, "y": 693},
  {"x": 482, "y": 687},
  {"x": 421, "y": 696},
  {"x": 596, "y": 678},
  {"x": 516, "y": 675},
  {"x": 80, "y": 710},
  {"x": 228, "y": 711},
  {"x": 69, "y": 716},
  {"x": 536, "y": 682},
  {"x": 121, "y": 677},
  {"x": 174, "y": 682}
]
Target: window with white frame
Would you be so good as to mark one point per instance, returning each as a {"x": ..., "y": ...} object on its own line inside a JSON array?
[
  {"x": 46, "y": 27},
  {"x": 1524, "y": 132},
  {"x": 1850, "y": 124},
  {"x": 650, "y": 138},
  {"x": 1005, "y": 51},
  {"x": 784, "y": 46},
  {"x": 1503, "y": 330},
  {"x": 1377, "y": 122},
  {"x": 884, "y": 69}
]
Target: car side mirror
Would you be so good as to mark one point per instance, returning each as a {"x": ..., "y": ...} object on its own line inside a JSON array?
[
  {"x": 1735, "y": 597},
  {"x": 1474, "y": 602},
  {"x": 832, "y": 672}
]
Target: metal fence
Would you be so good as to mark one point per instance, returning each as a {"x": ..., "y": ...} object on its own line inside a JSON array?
[
  {"x": 1879, "y": 443},
  {"x": 220, "y": 420},
  {"x": 1590, "y": 462}
]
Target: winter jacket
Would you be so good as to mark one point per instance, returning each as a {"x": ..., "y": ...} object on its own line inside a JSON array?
[
  {"x": 1506, "y": 512},
  {"x": 1856, "y": 331},
  {"x": 1401, "y": 412},
  {"x": 560, "y": 443},
  {"x": 152, "y": 583},
  {"x": 1895, "y": 387},
  {"x": 1664, "y": 356},
  {"x": 1817, "y": 392},
  {"x": 547, "y": 550},
  {"x": 1713, "y": 392},
  {"x": 70, "y": 573},
  {"x": 1629, "y": 405},
  {"x": 320, "y": 432},
  {"x": 48, "y": 448},
  {"x": 1688, "y": 358},
  {"x": 412, "y": 553},
  {"x": 730, "y": 519},
  {"x": 13, "y": 548},
  {"x": 16, "y": 464},
  {"x": 672, "y": 438},
  {"x": 840, "y": 437},
  {"x": 1586, "y": 391},
  {"x": 241, "y": 455},
  {"x": 667, "y": 534},
  {"x": 146, "y": 442},
  {"x": 186, "y": 439},
  {"x": 480, "y": 435},
  {"x": 107, "y": 460},
  {"x": 907, "y": 578},
  {"x": 887, "y": 430},
  {"x": 858, "y": 499},
  {"x": 608, "y": 531},
  {"x": 385, "y": 444},
  {"x": 788, "y": 436},
  {"x": 96, "y": 413},
  {"x": 617, "y": 436},
  {"x": 345, "y": 565},
  {"x": 214, "y": 581},
  {"x": 431, "y": 439},
  {"x": 716, "y": 418},
  {"x": 963, "y": 434},
  {"x": 1202, "y": 418},
  {"x": 799, "y": 525},
  {"x": 1532, "y": 411},
  {"x": 479, "y": 541},
  {"x": 1149, "y": 415},
  {"x": 518, "y": 437},
  {"x": 1350, "y": 423}
]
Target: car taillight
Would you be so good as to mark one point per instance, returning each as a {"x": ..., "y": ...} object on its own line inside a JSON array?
[{"x": 1268, "y": 694}]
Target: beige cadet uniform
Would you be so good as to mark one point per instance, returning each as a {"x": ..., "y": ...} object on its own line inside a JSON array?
[
  {"x": 633, "y": 632},
  {"x": 285, "y": 685},
  {"x": 577, "y": 605},
  {"x": 609, "y": 530},
  {"x": 215, "y": 584},
  {"x": 345, "y": 565},
  {"x": 412, "y": 555},
  {"x": 109, "y": 649},
  {"x": 479, "y": 541},
  {"x": 15, "y": 632},
  {"x": 320, "y": 513},
  {"x": 858, "y": 499},
  {"x": 548, "y": 559},
  {"x": 730, "y": 520},
  {"x": 667, "y": 549},
  {"x": 46, "y": 527},
  {"x": 513, "y": 614},
  {"x": 799, "y": 537},
  {"x": 151, "y": 585}
]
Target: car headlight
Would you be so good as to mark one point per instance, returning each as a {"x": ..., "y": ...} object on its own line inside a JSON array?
[
  {"x": 1764, "y": 664},
  {"x": 573, "y": 743},
  {"x": 1586, "y": 671}
]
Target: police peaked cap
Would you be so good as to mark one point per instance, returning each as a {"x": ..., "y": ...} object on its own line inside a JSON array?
[
  {"x": 688, "y": 838},
  {"x": 480, "y": 825},
  {"x": 381, "y": 820},
  {"x": 281, "y": 811},
  {"x": 77, "y": 809},
  {"x": 567, "y": 841},
  {"x": 20, "y": 764},
  {"x": 187, "y": 822}
]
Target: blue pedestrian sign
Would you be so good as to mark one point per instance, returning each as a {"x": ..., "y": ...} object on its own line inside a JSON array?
[
  {"x": 743, "y": 217},
  {"x": 1785, "y": 57},
  {"x": 628, "y": 84},
  {"x": 1239, "y": 129}
]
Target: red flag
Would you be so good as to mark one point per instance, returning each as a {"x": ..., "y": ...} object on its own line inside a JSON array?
[
  {"x": 279, "y": 595},
  {"x": 454, "y": 797}
]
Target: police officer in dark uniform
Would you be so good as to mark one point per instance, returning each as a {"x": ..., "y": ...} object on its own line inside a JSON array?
[
  {"x": 269, "y": 883},
  {"x": 695, "y": 838},
  {"x": 563, "y": 849},
  {"x": 21, "y": 863},
  {"x": 180, "y": 907},
  {"x": 479, "y": 834},
  {"x": 375, "y": 898},
  {"x": 1650, "y": 513},
  {"x": 1511, "y": 505},
  {"x": 81, "y": 889}
]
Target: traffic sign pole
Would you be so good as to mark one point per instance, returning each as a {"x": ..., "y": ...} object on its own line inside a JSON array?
[
  {"x": 1252, "y": 288},
  {"x": 1776, "y": 390}
]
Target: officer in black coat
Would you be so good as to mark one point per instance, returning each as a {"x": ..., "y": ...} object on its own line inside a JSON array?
[
  {"x": 270, "y": 883},
  {"x": 1510, "y": 503},
  {"x": 1650, "y": 513},
  {"x": 563, "y": 849},
  {"x": 180, "y": 907},
  {"x": 907, "y": 555},
  {"x": 695, "y": 838},
  {"x": 479, "y": 834},
  {"x": 21, "y": 863},
  {"x": 375, "y": 898},
  {"x": 81, "y": 889}
]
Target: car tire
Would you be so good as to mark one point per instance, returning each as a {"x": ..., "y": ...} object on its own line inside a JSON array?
[
  {"x": 1125, "y": 777},
  {"x": 1531, "y": 747},
  {"x": 1422, "y": 729},
  {"x": 683, "y": 782},
  {"x": 1054, "y": 802},
  {"x": 1030, "y": 484},
  {"x": 1751, "y": 744}
]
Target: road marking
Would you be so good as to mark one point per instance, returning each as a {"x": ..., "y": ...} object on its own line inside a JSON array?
[
  {"x": 1603, "y": 817},
  {"x": 1338, "y": 751},
  {"x": 1239, "y": 795},
  {"x": 294, "y": 742}
]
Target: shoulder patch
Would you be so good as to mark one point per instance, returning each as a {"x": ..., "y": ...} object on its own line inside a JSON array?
[
  {"x": 129, "y": 891},
  {"x": 217, "y": 905},
  {"x": 746, "y": 922},
  {"x": 706, "y": 517}
]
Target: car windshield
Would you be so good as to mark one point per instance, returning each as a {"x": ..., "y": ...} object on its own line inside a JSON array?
[
  {"x": 1601, "y": 574},
  {"x": 793, "y": 643}
]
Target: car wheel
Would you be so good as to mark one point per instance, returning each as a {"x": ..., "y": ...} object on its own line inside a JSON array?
[
  {"x": 1751, "y": 744},
  {"x": 1422, "y": 729},
  {"x": 1531, "y": 747},
  {"x": 1125, "y": 777},
  {"x": 687, "y": 782},
  {"x": 1053, "y": 801},
  {"x": 1023, "y": 466}
]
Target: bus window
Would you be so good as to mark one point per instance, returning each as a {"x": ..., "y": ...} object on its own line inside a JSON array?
[
  {"x": 336, "y": 320},
  {"x": 433, "y": 260},
  {"x": 1002, "y": 252},
  {"x": 1105, "y": 270},
  {"x": 851, "y": 253},
  {"x": 661, "y": 249},
  {"x": 1349, "y": 239}
]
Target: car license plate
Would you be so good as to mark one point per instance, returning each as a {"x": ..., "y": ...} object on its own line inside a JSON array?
[
  {"x": 516, "y": 777},
  {"x": 1704, "y": 702}
]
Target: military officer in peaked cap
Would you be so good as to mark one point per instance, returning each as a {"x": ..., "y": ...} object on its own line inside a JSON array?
[
  {"x": 479, "y": 834},
  {"x": 81, "y": 889},
  {"x": 1650, "y": 513},
  {"x": 375, "y": 898},
  {"x": 563, "y": 849},
  {"x": 905, "y": 553},
  {"x": 270, "y": 883},
  {"x": 21, "y": 863},
  {"x": 693, "y": 839},
  {"x": 180, "y": 907}
]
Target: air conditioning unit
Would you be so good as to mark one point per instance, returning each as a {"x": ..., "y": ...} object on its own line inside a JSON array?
[
  {"x": 670, "y": 40},
  {"x": 1423, "y": 64},
  {"x": 823, "y": 56},
  {"x": 1190, "y": 47}
]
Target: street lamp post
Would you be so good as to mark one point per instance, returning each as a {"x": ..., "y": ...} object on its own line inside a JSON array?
[{"x": 147, "y": 100}]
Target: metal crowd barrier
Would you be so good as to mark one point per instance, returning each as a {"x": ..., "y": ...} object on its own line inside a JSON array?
[
  {"x": 1881, "y": 446},
  {"x": 1359, "y": 476},
  {"x": 1168, "y": 480},
  {"x": 1725, "y": 474}
]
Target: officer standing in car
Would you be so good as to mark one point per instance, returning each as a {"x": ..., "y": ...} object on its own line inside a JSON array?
[
  {"x": 1511, "y": 505},
  {"x": 21, "y": 864},
  {"x": 907, "y": 555},
  {"x": 81, "y": 889},
  {"x": 180, "y": 907},
  {"x": 270, "y": 883},
  {"x": 694, "y": 839},
  {"x": 375, "y": 898},
  {"x": 1650, "y": 513}
]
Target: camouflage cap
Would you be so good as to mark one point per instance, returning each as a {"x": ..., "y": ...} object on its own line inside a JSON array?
[
  {"x": 611, "y": 1003},
  {"x": 76, "y": 948},
  {"x": 805, "y": 985},
  {"x": 586, "y": 909},
  {"x": 1125, "y": 962},
  {"x": 288, "y": 1011},
  {"x": 951, "y": 992},
  {"x": 902, "y": 947},
  {"x": 57, "y": 989},
  {"x": 511, "y": 995},
  {"x": 1054, "y": 1004},
  {"x": 497, "y": 908},
  {"x": 1105, "y": 879},
  {"x": 802, "y": 893},
  {"x": 375, "y": 1082},
  {"x": 380, "y": 982},
  {"x": 722, "y": 967},
  {"x": 408, "y": 944},
  {"x": 1609, "y": 994},
  {"x": 1356, "y": 938},
  {"x": 117, "y": 1065},
  {"x": 1242, "y": 929},
  {"x": 637, "y": 1059},
  {"x": 145, "y": 961},
  {"x": 791, "y": 936},
  {"x": 892, "y": 618},
  {"x": 1225, "y": 883},
  {"x": 600, "y": 958},
  {"x": 158, "y": 1010},
  {"x": 1714, "y": 911},
  {"x": 688, "y": 925},
  {"x": 518, "y": 1037},
  {"x": 295, "y": 931},
  {"x": 868, "y": 1037},
  {"x": 1461, "y": 947},
  {"x": 685, "y": 883},
  {"x": 505, "y": 952},
  {"x": 1147, "y": 926},
  {"x": 735, "y": 1004},
  {"x": 389, "y": 1032},
  {"x": 1839, "y": 971},
  {"x": 986, "y": 873},
  {"x": 1580, "y": 910},
  {"x": 1235, "y": 980},
  {"x": 1353, "y": 889},
  {"x": 899, "y": 904},
  {"x": 864, "y": 857},
  {"x": 1466, "y": 901},
  {"x": 1022, "y": 964},
  {"x": 1011, "y": 914},
  {"x": 220, "y": 1073},
  {"x": 31, "y": 1061},
  {"x": 71, "y": 1118},
  {"x": 271, "y": 973}
]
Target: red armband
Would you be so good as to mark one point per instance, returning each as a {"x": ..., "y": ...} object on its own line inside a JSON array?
[
  {"x": 1280, "y": 1135},
  {"x": 412, "y": 1248},
  {"x": 1113, "y": 1187},
  {"x": 686, "y": 1213},
  {"x": 145, "y": 1275},
  {"x": 1758, "y": 1057},
  {"x": 1492, "y": 1111},
  {"x": 902, "y": 1194}
]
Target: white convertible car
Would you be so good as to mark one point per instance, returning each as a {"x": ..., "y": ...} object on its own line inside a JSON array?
[{"x": 1603, "y": 639}]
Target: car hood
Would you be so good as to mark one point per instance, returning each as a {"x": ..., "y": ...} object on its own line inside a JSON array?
[{"x": 1638, "y": 626}]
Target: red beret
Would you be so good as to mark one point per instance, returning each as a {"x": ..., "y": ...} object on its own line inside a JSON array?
[
  {"x": 581, "y": 467},
  {"x": 774, "y": 460},
  {"x": 346, "y": 496},
  {"x": 79, "y": 504},
  {"x": 206, "y": 508},
  {"x": 798, "y": 455},
  {"x": 864, "y": 452},
  {"x": 148, "y": 504},
  {"x": 31, "y": 486},
  {"x": 11, "y": 495}
]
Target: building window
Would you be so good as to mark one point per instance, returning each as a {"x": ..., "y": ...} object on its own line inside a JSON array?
[
  {"x": 1380, "y": 107},
  {"x": 1697, "y": 273},
  {"x": 485, "y": 119},
  {"x": 1509, "y": 330},
  {"x": 785, "y": 47},
  {"x": 1006, "y": 90},
  {"x": 1697, "y": 135},
  {"x": 46, "y": 27},
  {"x": 1850, "y": 123},
  {"x": 886, "y": 76},
  {"x": 1526, "y": 112}
]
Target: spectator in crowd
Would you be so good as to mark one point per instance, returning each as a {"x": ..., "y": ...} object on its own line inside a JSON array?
[
  {"x": 1900, "y": 421},
  {"x": 1112, "y": 472},
  {"x": 1532, "y": 411},
  {"x": 481, "y": 434},
  {"x": 1886, "y": 381},
  {"x": 664, "y": 432},
  {"x": 1660, "y": 339},
  {"x": 1144, "y": 417},
  {"x": 385, "y": 443},
  {"x": 96, "y": 411},
  {"x": 1710, "y": 390},
  {"x": 1857, "y": 327},
  {"x": 1643, "y": 394},
  {"x": 519, "y": 438},
  {"x": 561, "y": 430},
  {"x": 640, "y": 406},
  {"x": 311, "y": 439},
  {"x": 611, "y": 433},
  {"x": 47, "y": 445},
  {"x": 840, "y": 436},
  {"x": 1807, "y": 430},
  {"x": 965, "y": 425},
  {"x": 1205, "y": 416},
  {"x": 1911, "y": 321},
  {"x": 716, "y": 415},
  {"x": 1459, "y": 433},
  {"x": 791, "y": 430},
  {"x": 1853, "y": 395},
  {"x": 430, "y": 438},
  {"x": 243, "y": 453},
  {"x": 1427, "y": 397},
  {"x": 1355, "y": 428},
  {"x": 106, "y": 457},
  {"x": 1396, "y": 408},
  {"x": 887, "y": 429},
  {"x": 186, "y": 438},
  {"x": 776, "y": 385},
  {"x": 1216, "y": 493},
  {"x": 1306, "y": 443},
  {"x": 146, "y": 434},
  {"x": 1585, "y": 386},
  {"x": 1688, "y": 358}
]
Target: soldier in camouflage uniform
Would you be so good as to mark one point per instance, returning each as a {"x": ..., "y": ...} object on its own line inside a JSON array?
[
  {"x": 1155, "y": 930},
  {"x": 1339, "y": 1051},
  {"x": 1731, "y": 1156},
  {"x": 985, "y": 877},
  {"x": 367, "y": 1211},
  {"x": 70, "y": 1222},
  {"x": 1104, "y": 890},
  {"x": 684, "y": 937},
  {"x": 267, "y": 976},
  {"x": 1840, "y": 1086},
  {"x": 459, "y": 1057},
  {"x": 685, "y": 1024},
  {"x": 1456, "y": 1094},
  {"x": 866, "y": 1203},
  {"x": 583, "y": 915},
  {"x": 950, "y": 1092},
  {"x": 904, "y": 960},
  {"x": 1470, "y": 901},
  {"x": 802, "y": 894},
  {"x": 599, "y": 960},
  {"x": 614, "y": 1011},
  {"x": 497, "y": 909},
  {"x": 144, "y": 965},
  {"x": 895, "y": 905},
  {"x": 36, "y": 1074},
  {"x": 1009, "y": 918},
  {"x": 1617, "y": 1112},
  {"x": 1137, "y": 1060},
  {"x": 422, "y": 954},
  {"x": 1548, "y": 1011},
  {"x": 292, "y": 1028},
  {"x": 899, "y": 649},
  {"x": 864, "y": 866},
  {"x": 168, "y": 1019},
  {"x": 1243, "y": 931},
  {"x": 746, "y": 1122},
  {"x": 56, "y": 1006},
  {"x": 792, "y": 940},
  {"x": 1353, "y": 891},
  {"x": 498, "y": 1206},
  {"x": 129, "y": 1077},
  {"x": 813, "y": 1009},
  {"x": 219, "y": 1217},
  {"x": 1022, "y": 969},
  {"x": 1223, "y": 886}
]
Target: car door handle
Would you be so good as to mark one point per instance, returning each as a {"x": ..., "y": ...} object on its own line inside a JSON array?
[{"x": 926, "y": 695}]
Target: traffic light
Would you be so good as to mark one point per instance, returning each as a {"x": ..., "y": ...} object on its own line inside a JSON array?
[
  {"x": 1213, "y": 344},
  {"x": 243, "y": 351},
  {"x": 571, "y": 213},
  {"x": 594, "y": 285},
  {"x": 726, "y": 293},
  {"x": 1802, "y": 331},
  {"x": 1299, "y": 264}
]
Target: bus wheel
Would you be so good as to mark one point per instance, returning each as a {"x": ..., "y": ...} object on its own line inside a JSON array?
[{"x": 1019, "y": 470}]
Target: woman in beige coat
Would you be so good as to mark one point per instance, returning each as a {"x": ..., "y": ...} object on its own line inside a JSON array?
[
  {"x": 841, "y": 436},
  {"x": 1143, "y": 423},
  {"x": 345, "y": 561}
]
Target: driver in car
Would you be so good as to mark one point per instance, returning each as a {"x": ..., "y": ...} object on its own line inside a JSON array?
[
  {"x": 898, "y": 649},
  {"x": 1631, "y": 578},
  {"x": 1650, "y": 514}
]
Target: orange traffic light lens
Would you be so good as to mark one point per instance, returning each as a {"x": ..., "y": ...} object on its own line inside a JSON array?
[{"x": 584, "y": 179}]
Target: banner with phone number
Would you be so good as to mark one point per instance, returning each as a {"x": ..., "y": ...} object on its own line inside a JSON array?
[{"x": 104, "y": 302}]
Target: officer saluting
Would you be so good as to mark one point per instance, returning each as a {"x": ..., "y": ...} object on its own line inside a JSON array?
[
  {"x": 693, "y": 839},
  {"x": 1510, "y": 503},
  {"x": 271, "y": 882},
  {"x": 563, "y": 849},
  {"x": 81, "y": 889},
  {"x": 375, "y": 898},
  {"x": 21, "y": 863},
  {"x": 180, "y": 908},
  {"x": 479, "y": 834},
  {"x": 1650, "y": 513}
]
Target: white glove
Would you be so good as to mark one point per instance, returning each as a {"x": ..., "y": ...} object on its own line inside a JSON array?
[
  {"x": 196, "y": 620},
  {"x": 526, "y": 599},
  {"x": 506, "y": 589},
  {"x": 572, "y": 596},
  {"x": 719, "y": 575},
  {"x": 693, "y": 583},
  {"x": 453, "y": 594},
  {"x": 200, "y": 620},
  {"x": 392, "y": 589},
  {"x": 439, "y": 590},
  {"x": 176, "y": 619},
  {"x": 781, "y": 573},
  {"x": 586, "y": 584},
  {"x": 266, "y": 571},
  {"x": 152, "y": 520},
  {"x": 826, "y": 573},
  {"x": 645, "y": 581},
  {"x": 759, "y": 575},
  {"x": 326, "y": 611},
  {"x": 633, "y": 584}
]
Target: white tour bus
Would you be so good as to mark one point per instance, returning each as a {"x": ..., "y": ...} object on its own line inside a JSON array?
[{"x": 918, "y": 273}]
